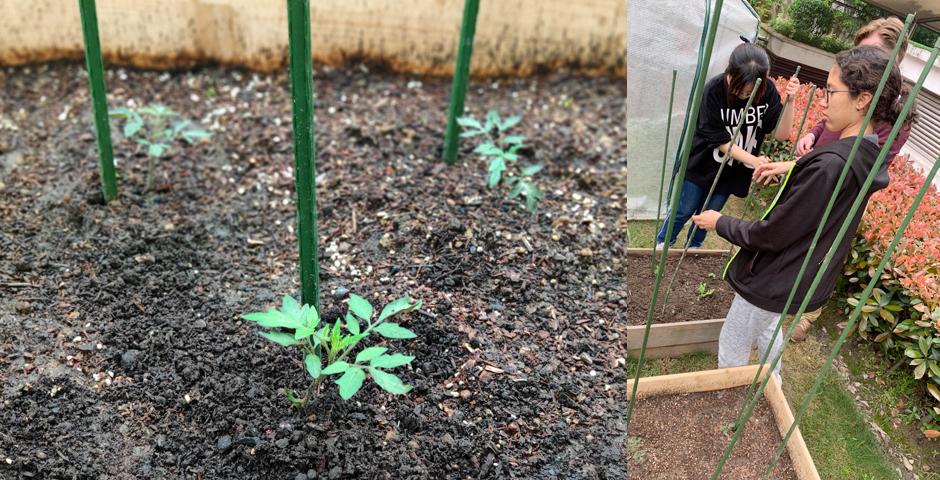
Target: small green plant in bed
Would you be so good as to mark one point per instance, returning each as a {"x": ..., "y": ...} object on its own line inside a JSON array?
[
  {"x": 501, "y": 150},
  {"x": 327, "y": 348}
]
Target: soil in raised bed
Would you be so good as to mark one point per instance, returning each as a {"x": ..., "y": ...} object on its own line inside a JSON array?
[
  {"x": 684, "y": 303},
  {"x": 122, "y": 354},
  {"x": 683, "y": 437}
]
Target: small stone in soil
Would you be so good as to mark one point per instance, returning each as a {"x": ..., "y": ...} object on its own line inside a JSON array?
[
  {"x": 23, "y": 307},
  {"x": 224, "y": 443},
  {"x": 340, "y": 293},
  {"x": 129, "y": 358}
]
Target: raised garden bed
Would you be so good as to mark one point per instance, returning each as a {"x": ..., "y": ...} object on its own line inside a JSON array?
[
  {"x": 693, "y": 317},
  {"x": 681, "y": 426},
  {"x": 121, "y": 351}
]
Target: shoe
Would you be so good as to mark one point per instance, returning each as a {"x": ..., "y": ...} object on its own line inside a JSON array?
[
  {"x": 806, "y": 323},
  {"x": 659, "y": 247}
]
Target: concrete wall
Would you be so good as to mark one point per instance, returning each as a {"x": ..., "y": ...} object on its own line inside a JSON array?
[{"x": 513, "y": 36}]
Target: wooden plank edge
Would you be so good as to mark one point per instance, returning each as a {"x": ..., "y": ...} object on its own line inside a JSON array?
[
  {"x": 799, "y": 454},
  {"x": 691, "y": 382},
  {"x": 701, "y": 252},
  {"x": 668, "y": 334},
  {"x": 671, "y": 351}
]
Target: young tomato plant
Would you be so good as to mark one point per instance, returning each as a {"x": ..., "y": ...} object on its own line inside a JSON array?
[
  {"x": 327, "y": 347},
  {"x": 501, "y": 151},
  {"x": 154, "y": 127},
  {"x": 704, "y": 292}
]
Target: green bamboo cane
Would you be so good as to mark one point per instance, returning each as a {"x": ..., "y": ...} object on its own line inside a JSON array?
[
  {"x": 662, "y": 175},
  {"x": 711, "y": 191},
  {"x": 461, "y": 74},
  {"x": 748, "y": 407},
  {"x": 809, "y": 103},
  {"x": 808, "y": 397},
  {"x": 301, "y": 76},
  {"x": 99, "y": 98},
  {"x": 698, "y": 88}
]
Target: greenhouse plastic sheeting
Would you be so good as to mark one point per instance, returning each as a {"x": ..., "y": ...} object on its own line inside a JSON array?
[{"x": 663, "y": 35}]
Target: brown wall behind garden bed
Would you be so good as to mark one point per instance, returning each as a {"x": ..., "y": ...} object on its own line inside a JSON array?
[{"x": 513, "y": 37}]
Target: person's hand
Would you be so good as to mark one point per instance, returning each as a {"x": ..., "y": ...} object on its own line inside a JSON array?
[
  {"x": 706, "y": 220},
  {"x": 761, "y": 160},
  {"x": 766, "y": 173},
  {"x": 805, "y": 144},
  {"x": 793, "y": 86}
]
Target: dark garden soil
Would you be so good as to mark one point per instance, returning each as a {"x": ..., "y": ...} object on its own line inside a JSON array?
[
  {"x": 684, "y": 303},
  {"x": 121, "y": 351},
  {"x": 683, "y": 437}
]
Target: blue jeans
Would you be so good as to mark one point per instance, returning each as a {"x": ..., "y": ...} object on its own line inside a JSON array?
[{"x": 690, "y": 203}]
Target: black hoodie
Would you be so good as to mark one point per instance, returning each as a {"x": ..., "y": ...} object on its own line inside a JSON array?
[{"x": 773, "y": 248}]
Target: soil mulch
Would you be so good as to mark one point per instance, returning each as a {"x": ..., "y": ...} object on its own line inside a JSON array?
[
  {"x": 683, "y": 437},
  {"x": 121, "y": 351},
  {"x": 684, "y": 303}
]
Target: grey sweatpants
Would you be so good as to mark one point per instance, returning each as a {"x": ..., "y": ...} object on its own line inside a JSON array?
[{"x": 744, "y": 324}]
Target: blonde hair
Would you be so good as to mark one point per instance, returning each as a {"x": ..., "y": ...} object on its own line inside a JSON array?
[{"x": 889, "y": 29}]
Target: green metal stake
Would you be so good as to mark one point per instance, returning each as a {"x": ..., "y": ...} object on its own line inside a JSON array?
[
  {"x": 662, "y": 175},
  {"x": 808, "y": 397},
  {"x": 99, "y": 99},
  {"x": 698, "y": 89},
  {"x": 301, "y": 80},
  {"x": 809, "y": 103},
  {"x": 711, "y": 191},
  {"x": 748, "y": 407},
  {"x": 461, "y": 74}
]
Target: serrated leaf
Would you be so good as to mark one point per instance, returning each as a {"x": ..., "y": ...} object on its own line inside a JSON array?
[
  {"x": 394, "y": 330},
  {"x": 119, "y": 112},
  {"x": 391, "y": 361},
  {"x": 492, "y": 120},
  {"x": 369, "y": 353},
  {"x": 336, "y": 335},
  {"x": 133, "y": 125},
  {"x": 156, "y": 150},
  {"x": 194, "y": 134},
  {"x": 532, "y": 169},
  {"x": 471, "y": 133},
  {"x": 389, "y": 382},
  {"x": 350, "y": 382},
  {"x": 312, "y": 362},
  {"x": 303, "y": 332},
  {"x": 290, "y": 306},
  {"x": 350, "y": 340},
  {"x": 487, "y": 149},
  {"x": 336, "y": 367},
  {"x": 309, "y": 317},
  {"x": 280, "y": 338},
  {"x": 402, "y": 305},
  {"x": 514, "y": 140},
  {"x": 469, "y": 122},
  {"x": 360, "y": 307},
  {"x": 496, "y": 169},
  {"x": 352, "y": 324},
  {"x": 516, "y": 190},
  {"x": 509, "y": 123},
  {"x": 272, "y": 318}
]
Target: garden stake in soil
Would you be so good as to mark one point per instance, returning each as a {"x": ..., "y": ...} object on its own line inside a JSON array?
[
  {"x": 748, "y": 406},
  {"x": 662, "y": 175},
  {"x": 697, "y": 91},
  {"x": 856, "y": 312},
  {"x": 301, "y": 79},
  {"x": 99, "y": 98},
  {"x": 825, "y": 217},
  {"x": 461, "y": 75},
  {"x": 721, "y": 168}
]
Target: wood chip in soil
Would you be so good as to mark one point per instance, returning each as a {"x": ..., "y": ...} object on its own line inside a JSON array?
[{"x": 683, "y": 437}]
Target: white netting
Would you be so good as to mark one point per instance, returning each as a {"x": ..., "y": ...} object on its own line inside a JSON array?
[{"x": 663, "y": 35}]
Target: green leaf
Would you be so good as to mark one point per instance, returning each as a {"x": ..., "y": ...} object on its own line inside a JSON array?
[
  {"x": 370, "y": 353},
  {"x": 924, "y": 346},
  {"x": 335, "y": 336},
  {"x": 312, "y": 362},
  {"x": 350, "y": 340},
  {"x": 934, "y": 368},
  {"x": 336, "y": 367},
  {"x": 280, "y": 338},
  {"x": 394, "y": 330},
  {"x": 492, "y": 120},
  {"x": 514, "y": 140},
  {"x": 290, "y": 306},
  {"x": 119, "y": 112},
  {"x": 178, "y": 127},
  {"x": 194, "y": 134},
  {"x": 934, "y": 391},
  {"x": 390, "y": 383},
  {"x": 158, "y": 110},
  {"x": 516, "y": 190},
  {"x": 912, "y": 353},
  {"x": 272, "y": 319},
  {"x": 133, "y": 125},
  {"x": 402, "y": 305},
  {"x": 303, "y": 332},
  {"x": 469, "y": 122},
  {"x": 350, "y": 382},
  {"x": 157, "y": 149},
  {"x": 471, "y": 133},
  {"x": 391, "y": 361},
  {"x": 919, "y": 371},
  {"x": 309, "y": 317},
  {"x": 487, "y": 149},
  {"x": 532, "y": 169},
  {"x": 509, "y": 123},
  {"x": 360, "y": 307},
  {"x": 510, "y": 156},
  {"x": 352, "y": 324},
  {"x": 496, "y": 169}
]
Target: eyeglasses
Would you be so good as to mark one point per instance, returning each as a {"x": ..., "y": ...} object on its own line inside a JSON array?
[{"x": 830, "y": 92}]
